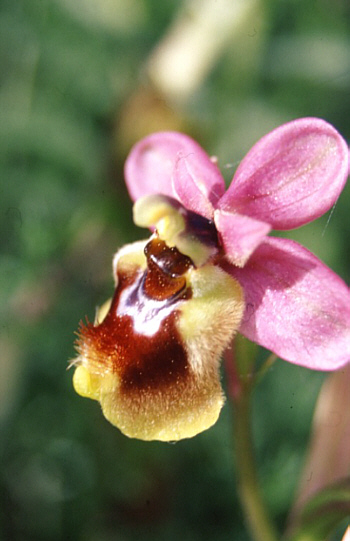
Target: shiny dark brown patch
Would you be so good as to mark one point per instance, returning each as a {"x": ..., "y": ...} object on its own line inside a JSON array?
[
  {"x": 166, "y": 267},
  {"x": 138, "y": 340}
]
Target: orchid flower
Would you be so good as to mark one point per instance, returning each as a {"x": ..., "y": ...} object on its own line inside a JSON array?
[{"x": 209, "y": 270}]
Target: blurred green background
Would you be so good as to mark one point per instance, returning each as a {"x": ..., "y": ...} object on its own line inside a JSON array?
[{"x": 75, "y": 94}]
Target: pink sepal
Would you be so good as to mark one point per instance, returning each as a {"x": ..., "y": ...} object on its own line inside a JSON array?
[
  {"x": 173, "y": 164},
  {"x": 295, "y": 305},
  {"x": 291, "y": 176},
  {"x": 240, "y": 235}
]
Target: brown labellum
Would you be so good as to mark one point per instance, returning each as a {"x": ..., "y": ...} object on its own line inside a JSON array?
[
  {"x": 138, "y": 339},
  {"x": 153, "y": 361}
]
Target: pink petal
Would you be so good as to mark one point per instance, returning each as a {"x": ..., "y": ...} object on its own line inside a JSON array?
[
  {"x": 173, "y": 164},
  {"x": 240, "y": 235},
  {"x": 295, "y": 305},
  {"x": 291, "y": 176},
  {"x": 190, "y": 189}
]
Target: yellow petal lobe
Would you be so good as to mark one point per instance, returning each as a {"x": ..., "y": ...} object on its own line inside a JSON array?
[{"x": 85, "y": 384}]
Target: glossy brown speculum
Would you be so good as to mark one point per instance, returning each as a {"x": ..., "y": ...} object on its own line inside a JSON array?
[
  {"x": 165, "y": 270},
  {"x": 139, "y": 340}
]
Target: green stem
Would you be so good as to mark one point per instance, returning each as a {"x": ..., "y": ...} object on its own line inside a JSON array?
[{"x": 257, "y": 518}]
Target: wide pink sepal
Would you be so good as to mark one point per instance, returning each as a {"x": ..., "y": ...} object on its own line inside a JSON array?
[
  {"x": 295, "y": 305},
  {"x": 173, "y": 164},
  {"x": 291, "y": 176}
]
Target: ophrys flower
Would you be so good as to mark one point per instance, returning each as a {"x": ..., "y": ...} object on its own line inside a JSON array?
[{"x": 208, "y": 270}]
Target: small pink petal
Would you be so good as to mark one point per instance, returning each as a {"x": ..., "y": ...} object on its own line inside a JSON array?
[
  {"x": 189, "y": 188},
  {"x": 291, "y": 176},
  {"x": 295, "y": 305},
  {"x": 173, "y": 164},
  {"x": 240, "y": 235}
]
